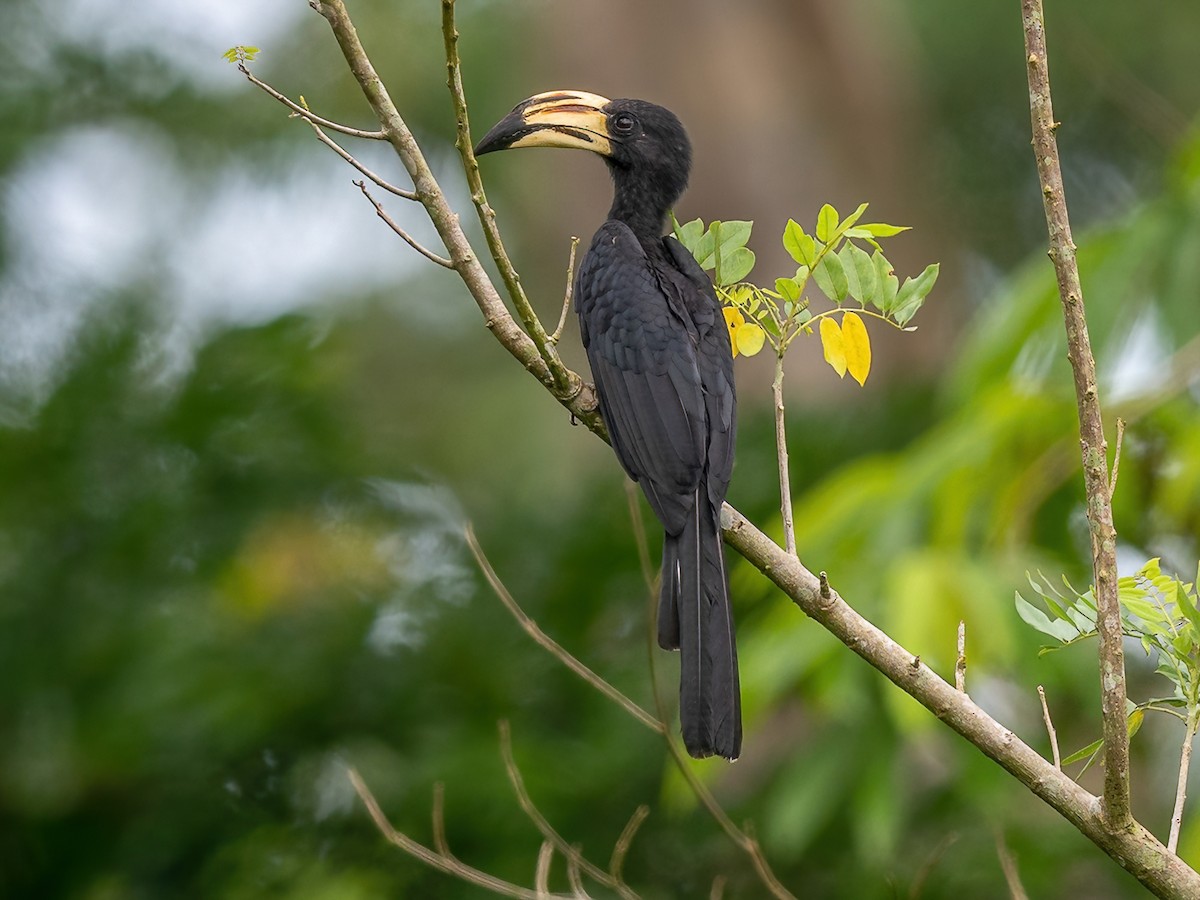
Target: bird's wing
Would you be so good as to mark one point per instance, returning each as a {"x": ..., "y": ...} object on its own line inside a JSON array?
[
  {"x": 714, "y": 356},
  {"x": 642, "y": 348}
]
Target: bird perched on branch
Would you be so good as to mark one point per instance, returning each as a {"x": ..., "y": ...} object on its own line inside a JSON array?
[{"x": 660, "y": 356}]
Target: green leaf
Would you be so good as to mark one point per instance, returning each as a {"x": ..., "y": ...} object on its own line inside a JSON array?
[
  {"x": 879, "y": 229},
  {"x": 799, "y": 245},
  {"x": 1188, "y": 607},
  {"x": 913, "y": 293},
  {"x": 831, "y": 278},
  {"x": 736, "y": 265},
  {"x": 1034, "y": 617},
  {"x": 735, "y": 233},
  {"x": 788, "y": 289},
  {"x": 888, "y": 283},
  {"x": 690, "y": 233},
  {"x": 827, "y": 223},
  {"x": 1083, "y": 752},
  {"x": 860, "y": 272},
  {"x": 852, "y": 218}
]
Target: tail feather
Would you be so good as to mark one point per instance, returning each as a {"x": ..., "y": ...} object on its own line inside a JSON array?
[{"x": 695, "y": 616}]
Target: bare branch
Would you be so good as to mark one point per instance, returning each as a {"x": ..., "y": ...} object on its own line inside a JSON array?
[
  {"x": 781, "y": 453},
  {"x": 580, "y": 400},
  {"x": 1135, "y": 848},
  {"x": 341, "y": 151},
  {"x": 405, "y": 236},
  {"x": 541, "y": 876},
  {"x": 960, "y": 665},
  {"x": 531, "y": 628},
  {"x": 1116, "y": 466},
  {"x": 565, "y": 382},
  {"x": 1185, "y": 760},
  {"x": 745, "y": 841},
  {"x": 625, "y": 841},
  {"x": 1012, "y": 877},
  {"x": 718, "y": 888},
  {"x": 552, "y": 837},
  {"x": 308, "y": 115},
  {"x": 1050, "y": 728},
  {"x": 449, "y": 865},
  {"x": 562, "y": 319},
  {"x": 1094, "y": 448},
  {"x": 439, "y": 821}
]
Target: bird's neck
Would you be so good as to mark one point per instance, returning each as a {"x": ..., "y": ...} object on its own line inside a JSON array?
[{"x": 640, "y": 201}]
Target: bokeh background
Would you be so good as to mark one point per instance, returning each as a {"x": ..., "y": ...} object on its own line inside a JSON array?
[{"x": 242, "y": 427}]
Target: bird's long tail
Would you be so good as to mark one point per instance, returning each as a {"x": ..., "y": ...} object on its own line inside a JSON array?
[{"x": 694, "y": 616}]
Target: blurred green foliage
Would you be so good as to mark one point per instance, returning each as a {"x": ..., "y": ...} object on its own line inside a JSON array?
[{"x": 223, "y": 579}]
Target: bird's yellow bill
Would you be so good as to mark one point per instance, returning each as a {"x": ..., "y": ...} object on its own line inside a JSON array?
[{"x": 571, "y": 119}]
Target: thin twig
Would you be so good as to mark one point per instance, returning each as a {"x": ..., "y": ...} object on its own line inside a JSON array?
[
  {"x": 562, "y": 319},
  {"x": 621, "y": 849},
  {"x": 1116, "y": 466},
  {"x": 565, "y": 382},
  {"x": 541, "y": 875},
  {"x": 543, "y": 825},
  {"x": 1012, "y": 877},
  {"x": 781, "y": 452},
  {"x": 439, "y": 821},
  {"x": 1050, "y": 728},
  {"x": 718, "y": 888},
  {"x": 960, "y": 665},
  {"x": 448, "y": 865},
  {"x": 1117, "y": 812},
  {"x": 407, "y": 238},
  {"x": 1185, "y": 760},
  {"x": 308, "y": 115},
  {"x": 344, "y": 154},
  {"x": 531, "y": 628},
  {"x": 922, "y": 875},
  {"x": 745, "y": 841}
]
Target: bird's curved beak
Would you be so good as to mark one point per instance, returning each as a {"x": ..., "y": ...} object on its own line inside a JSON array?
[{"x": 573, "y": 119}]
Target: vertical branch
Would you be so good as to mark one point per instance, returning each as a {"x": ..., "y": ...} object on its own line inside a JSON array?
[
  {"x": 1094, "y": 448},
  {"x": 785, "y": 480},
  {"x": 1185, "y": 760},
  {"x": 565, "y": 383}
]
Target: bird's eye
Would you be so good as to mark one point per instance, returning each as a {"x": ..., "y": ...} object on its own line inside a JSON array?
[{"x": 624, "y": 123}]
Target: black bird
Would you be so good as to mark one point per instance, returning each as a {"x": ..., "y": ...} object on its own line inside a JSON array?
[{"x": 661, "y": 359}]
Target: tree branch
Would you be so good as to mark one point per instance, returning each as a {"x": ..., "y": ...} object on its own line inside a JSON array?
[
  {"x": 1133, "y": 847},
  {"x": 448, "y": 864},
  {"x": 404, "y": 235},
  {"x": 306, "y": 114},
  {"x": 1094, "y": 448},
  {"x": 1050, "y": 728},
  {"x": 1185, "y": 759},
  {"x": 781, "y": 452},
  {"x": 564, "y": 381}
]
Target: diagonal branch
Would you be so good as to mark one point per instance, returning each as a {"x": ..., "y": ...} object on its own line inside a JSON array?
[
  {"x": 565, "y": 381},
  {"x": 304, "y": 113},
  {"x": 404, "y": 235},
  {"x": 571, "y": 854},
  {"x": 443, "y": 863},
  {"x": 1097, "y": 483},
  {"x": 1133, "y": 847}
]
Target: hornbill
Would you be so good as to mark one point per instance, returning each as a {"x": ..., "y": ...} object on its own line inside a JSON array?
[{"x": 661, "y": 359}]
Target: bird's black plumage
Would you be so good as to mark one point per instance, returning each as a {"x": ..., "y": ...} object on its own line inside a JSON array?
[{"x": 661, "y": 359}]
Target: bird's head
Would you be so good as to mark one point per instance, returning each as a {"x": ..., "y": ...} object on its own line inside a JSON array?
[{"x": 645, "y": 145}]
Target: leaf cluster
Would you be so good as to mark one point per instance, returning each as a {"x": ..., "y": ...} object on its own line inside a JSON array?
[
  {"x": 1157, "y": 609},
  {"x": 836, "y": 257}
]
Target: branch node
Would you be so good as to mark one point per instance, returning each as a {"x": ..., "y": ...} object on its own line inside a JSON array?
[{"x": 826, "y": 593}]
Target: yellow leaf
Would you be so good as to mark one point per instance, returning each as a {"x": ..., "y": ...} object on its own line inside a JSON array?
[
  {"x": 834, "y": 345},
  {"x": 735, "y": 320},
  {"x": 857, "y": 347},
  {"x": 749, "y": 339}
]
